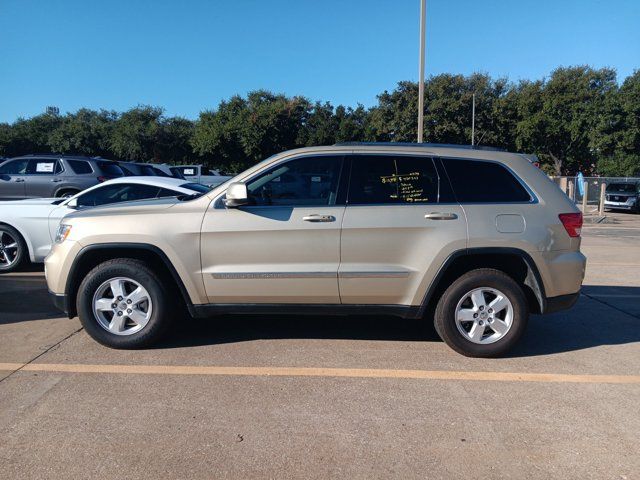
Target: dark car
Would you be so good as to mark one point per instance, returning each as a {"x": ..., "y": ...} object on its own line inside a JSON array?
[
  {"x": 142, "y": 169},
  {"x": 623, "y": 196},
  {"x": 35, "y": 176}
]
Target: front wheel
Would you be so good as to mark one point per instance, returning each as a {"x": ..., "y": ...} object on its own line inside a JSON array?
[
  {"x": 482, "y": 314},
  {"x": 122, "y": 303},
  {"x": 13, "y": 250}
]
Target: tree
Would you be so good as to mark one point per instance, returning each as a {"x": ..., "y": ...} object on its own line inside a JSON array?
[
  {"x": 136, "y": 134},
  {"x": 31, "y": 135},
  {"x": 174, "y": 142},
  {"x": 616, "y": 140},
  {"x": 558, "y": 116},
  {"x": 86, "y": 132},
  {"x": 353, "y": 125},
  {"x": 242, "y": 132},
  {"x": 577, "y": 119},
  {"x": 321, "y": 126}
]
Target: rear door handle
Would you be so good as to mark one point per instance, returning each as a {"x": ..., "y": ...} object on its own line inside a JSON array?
[
  {"x": 19, "y": 180},
  {"x": 56, "y": 180},
  {"x": 440, "y": 216},
  {"x": 319, "y": 218}
]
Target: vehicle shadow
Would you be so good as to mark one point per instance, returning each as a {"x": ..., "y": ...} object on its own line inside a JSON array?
[
  {"x": 599, "y": 318},
  {"x": 24, "y": 297},
  {"x": 604, "y": 315}
]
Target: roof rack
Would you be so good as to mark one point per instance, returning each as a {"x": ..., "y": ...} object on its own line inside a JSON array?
[{"x": 411, "y": 144}]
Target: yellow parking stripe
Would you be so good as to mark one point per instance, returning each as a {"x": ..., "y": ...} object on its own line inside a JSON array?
[{"x": 321, "y": 372}]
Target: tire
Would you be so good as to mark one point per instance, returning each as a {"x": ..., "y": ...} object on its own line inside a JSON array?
[
  {"x": 128, "y": 274},
  {"x": 66, "y": 193},
  {"x": 463, "y": 299},
  {"x": 13, "y": 249}
]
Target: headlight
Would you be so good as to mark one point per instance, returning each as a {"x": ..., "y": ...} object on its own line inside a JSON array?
[{"x": 62, "y": 233}]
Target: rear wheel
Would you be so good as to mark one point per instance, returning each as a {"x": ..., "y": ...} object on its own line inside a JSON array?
[
  {"x": 13, "y": 249},
  {"x": 122, "y": 303},
  {"x": 482, "y": 314}
]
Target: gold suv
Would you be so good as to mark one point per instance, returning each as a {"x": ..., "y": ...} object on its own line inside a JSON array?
[{"x": 473, "y": 238}]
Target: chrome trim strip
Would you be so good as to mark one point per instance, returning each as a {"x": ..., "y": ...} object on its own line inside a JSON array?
[
  {"x": 264, "y": 275},
  {"x": 388, "y": 274},
  {"x": 267, "y": 275}
]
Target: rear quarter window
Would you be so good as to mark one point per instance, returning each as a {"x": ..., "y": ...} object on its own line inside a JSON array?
[
  {"x": 80, "y": 167},
  {"x": 478, "y": 181}
]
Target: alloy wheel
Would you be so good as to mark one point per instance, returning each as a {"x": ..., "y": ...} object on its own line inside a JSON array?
[
  {"x": 484, "y": 315},
  {"x": 8, "y": 249},
  {"x": 122, "y": 306}
]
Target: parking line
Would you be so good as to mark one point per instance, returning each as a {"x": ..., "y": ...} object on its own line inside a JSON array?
[{"x": 320, "y": 372}]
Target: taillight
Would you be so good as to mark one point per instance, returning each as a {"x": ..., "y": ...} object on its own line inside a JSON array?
[
  {"x": 572, "y": 223},
  {"x": 102, "y": 179}
]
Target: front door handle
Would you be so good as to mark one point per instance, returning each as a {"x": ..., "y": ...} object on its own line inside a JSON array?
[
  {"x": 319, "y": 218},
  {"x": 19, "y": 180},
  {"x": 440, "y": 216}
]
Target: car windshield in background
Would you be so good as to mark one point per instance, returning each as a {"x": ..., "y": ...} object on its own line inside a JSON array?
[
  {"x": 622, "y": 187},
  {"x": 196, "y": 187},
  {"x": 111, "y": 169}
]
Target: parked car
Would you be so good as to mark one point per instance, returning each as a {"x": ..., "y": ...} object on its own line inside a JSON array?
[
  {"x": 36, "y": 176},
  {"x": 198, "y": 174},
  {"x": 167, "y": 169},
  {"x": 142, "y": 169},
  {"x": 472, "y": 239},
  {"x": 28, "y": 227},
  {"x": 149, "y": 169},
  {"x": 623, "y": 196}
]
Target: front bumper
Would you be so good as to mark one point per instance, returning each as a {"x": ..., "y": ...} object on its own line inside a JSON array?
[
  {"x": 60, "y": 301},
  {"x": 621, "y": 203},
  {"x": 619, "y": 206}
]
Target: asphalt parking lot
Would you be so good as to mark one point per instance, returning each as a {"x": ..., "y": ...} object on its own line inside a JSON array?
[{"x": 324, "y": 397}]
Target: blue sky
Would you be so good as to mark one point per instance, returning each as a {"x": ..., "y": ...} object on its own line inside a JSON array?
[{"x": 188, "y": 55}]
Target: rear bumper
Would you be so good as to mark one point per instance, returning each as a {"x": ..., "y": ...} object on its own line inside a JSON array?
[{"x": 561, "y": 302}]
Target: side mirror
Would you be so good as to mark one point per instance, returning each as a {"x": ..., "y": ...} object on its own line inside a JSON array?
[
  {"x": 237, "y": 195},
  {"x": 73, "y": 203}
]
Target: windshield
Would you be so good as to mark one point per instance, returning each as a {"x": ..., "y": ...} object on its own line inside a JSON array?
[{"x": 622, "y": 187}]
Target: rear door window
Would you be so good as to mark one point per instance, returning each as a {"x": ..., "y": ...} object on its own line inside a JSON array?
[
  {"x": 386, "y": 179},
  {"x": 44, "y": 166},
  {"x": 479, "y": 181}
]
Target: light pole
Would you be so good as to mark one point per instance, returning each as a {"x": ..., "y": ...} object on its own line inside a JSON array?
[
  {"x": 473, "y": 120},
  {"x": 423, "y": 21}
]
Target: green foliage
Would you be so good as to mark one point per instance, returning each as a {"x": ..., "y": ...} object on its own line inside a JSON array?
[
  {"x": 559, "y": 116},
  {"x": 620, "y": 164},
  {"x": 85, "y": 132},
  {"x": 577, "y": 119}
]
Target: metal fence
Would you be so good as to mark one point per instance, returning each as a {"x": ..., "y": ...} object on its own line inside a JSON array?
[{"x": 569, "y": 185}]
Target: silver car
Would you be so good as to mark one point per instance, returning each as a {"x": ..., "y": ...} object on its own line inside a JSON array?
[{"x": 45, "y": 176}]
